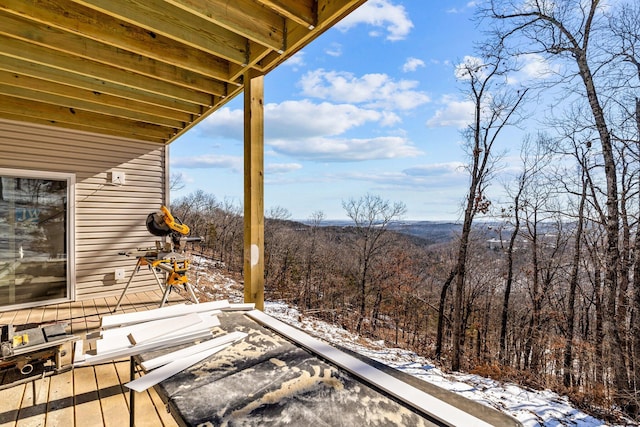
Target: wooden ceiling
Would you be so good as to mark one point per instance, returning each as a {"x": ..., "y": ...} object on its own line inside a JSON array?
[{"x": 144, "y": 69}]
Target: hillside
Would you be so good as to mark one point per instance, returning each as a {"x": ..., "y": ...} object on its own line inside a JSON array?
[{"x": 432, "y": 232}]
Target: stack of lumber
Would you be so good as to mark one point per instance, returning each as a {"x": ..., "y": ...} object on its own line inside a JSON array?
[{"x": 131, "y": 334}]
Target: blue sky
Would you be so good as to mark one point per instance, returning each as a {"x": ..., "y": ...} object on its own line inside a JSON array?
[{"x": 371, "y": 106}]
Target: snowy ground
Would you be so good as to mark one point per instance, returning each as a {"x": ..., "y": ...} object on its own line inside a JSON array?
[{"x": 531, "y": 408}]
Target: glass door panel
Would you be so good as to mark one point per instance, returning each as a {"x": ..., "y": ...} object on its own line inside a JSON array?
[{"x": 33, "y": 240}]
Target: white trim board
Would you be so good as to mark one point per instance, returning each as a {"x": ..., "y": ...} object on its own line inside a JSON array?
[
  {"x": 197, "y": 348},
  {"x": 240, "y": 307},
  {"x": 127, "y": 329},
  {"x": 170, "y": 369},
  {"x": 115, "y": 320},
  {"x": 121, "y": 341},
  {"x": 78, "y": 355},
  {"x": 164, "y": 327},
  {"x": 423, "y": 402},
  {"x": 137, "y": 349}
]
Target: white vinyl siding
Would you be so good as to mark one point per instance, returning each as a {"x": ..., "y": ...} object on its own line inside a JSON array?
[{"x": 108, "y": 218}]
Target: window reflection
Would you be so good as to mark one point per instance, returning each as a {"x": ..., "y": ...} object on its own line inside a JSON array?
[{"x": 33, "y": 243}]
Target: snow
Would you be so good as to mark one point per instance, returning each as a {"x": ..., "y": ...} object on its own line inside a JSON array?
[{"x": 532, "y": 408}]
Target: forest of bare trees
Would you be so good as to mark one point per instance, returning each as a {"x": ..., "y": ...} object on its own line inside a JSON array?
[{"x": 555, "y": 303}]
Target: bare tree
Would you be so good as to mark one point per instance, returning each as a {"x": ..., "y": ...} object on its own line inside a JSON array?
[
  {"x": 564, "y": 30},
  {"x": 494, "y": 109},
  {"x": 534, "y": 158},
  {"x": 371, "y": 216}
]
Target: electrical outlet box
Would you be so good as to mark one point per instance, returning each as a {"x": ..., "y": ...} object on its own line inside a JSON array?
[
  {"x": 117, "y": 178},
  {"x": 119, "y": 274}
]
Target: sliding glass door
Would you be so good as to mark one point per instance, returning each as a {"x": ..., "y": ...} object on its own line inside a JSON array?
[{"x": 35, "y": 237}]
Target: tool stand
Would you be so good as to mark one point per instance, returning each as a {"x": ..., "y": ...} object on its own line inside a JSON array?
[{"x": 175, "y": 267}]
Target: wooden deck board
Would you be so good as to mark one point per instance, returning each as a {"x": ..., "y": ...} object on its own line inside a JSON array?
[
  {"x": 145, "y": 412},
  {"x": 33, "y": 411},
  {"x": 7, "y": 317},
  {"x": 10, "y": 401},
  {"x": 60, "y": 411},
  {"x": 112, "y": 399},
  {"x": 35, "y": 315},
  {"x": 87, "y": 409}
]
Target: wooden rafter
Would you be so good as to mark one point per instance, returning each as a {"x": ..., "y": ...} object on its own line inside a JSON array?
[{"x": 147, "y": 69}]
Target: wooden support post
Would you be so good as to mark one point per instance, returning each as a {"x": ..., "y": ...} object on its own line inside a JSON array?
[{"x": 254, "y": 190}]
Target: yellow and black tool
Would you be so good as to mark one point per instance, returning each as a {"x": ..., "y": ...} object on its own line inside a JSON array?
[{"x": 168, "y": 257}]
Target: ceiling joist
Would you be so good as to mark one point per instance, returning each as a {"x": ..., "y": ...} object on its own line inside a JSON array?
[{"x": 144, "y": 69}]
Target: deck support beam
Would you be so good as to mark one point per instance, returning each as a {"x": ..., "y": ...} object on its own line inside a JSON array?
[{"x": 254, "y": 190}]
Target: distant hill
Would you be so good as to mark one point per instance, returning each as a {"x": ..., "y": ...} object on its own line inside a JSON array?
[{"x": 430, "y": 231}]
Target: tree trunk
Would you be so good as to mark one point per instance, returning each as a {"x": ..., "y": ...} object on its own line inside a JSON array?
[
  {"x": 507, "y": 290},
  {"x": 573, "y": 285},
  {"x": 441, "y": 317}
]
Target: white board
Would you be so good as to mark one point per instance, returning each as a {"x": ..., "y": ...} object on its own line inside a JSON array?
[
  {"x": 164, "y": 327},
  {"x": 197, "y": 348},
  {"x": 78, "y": 355},
  {"x": 170, "y": 369},
  {"x": 138, "y": 349},
  {"x": 115, "y": 320},
  {"x": 240, "y": 307},
  {"x": 121, "y": 340},
  {"x": 127, "y": 329}
]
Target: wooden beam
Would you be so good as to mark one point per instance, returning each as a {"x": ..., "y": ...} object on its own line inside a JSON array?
[
  {"x": 254, "y": 190},
  {"x": 82, "y": 47},
  {"x": 81, "y": 119},
  {"x": 329, "y": 12},
  {"x": 161, "y": 17},
  {"x": 243, "y": 17},
  {"x": 77, "y": 126},
  {"x": 300, "y": 11},
  {"x": 73, "y": 64},
  {"x": 191, "y": 54},
  {"x": 39, "y": 90},
  {"x": 160, "y": 104}
]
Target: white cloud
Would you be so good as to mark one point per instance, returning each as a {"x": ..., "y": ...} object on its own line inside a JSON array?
[
  {"x": 224, "y": 123},
  {"x": 536, "y": 67},
  {"x": 280, "y": 168},
  {"x": 455, "y": 113},
  {"x": 344, "y": 149},
  {"x": 412, "y": 64},
  {"x": 305, "y": 119},
  {"x": 438, "y": 175},
  {"x": 308, "y": 131},
  {"x": 437, "y": 170},
  {"x": 298, "y": 119},
  {"x": 381, "y": 14},
  {"x": 470, "y": 64},
  {"x": 296, "y": 60},
  {"x": 335, "y": 49},
  {"x": 209, "y": 161},
  {"x": 469, "y": 5},
  {"x": 444, "y": 176},
  {"x": 374, "y": 90}
]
